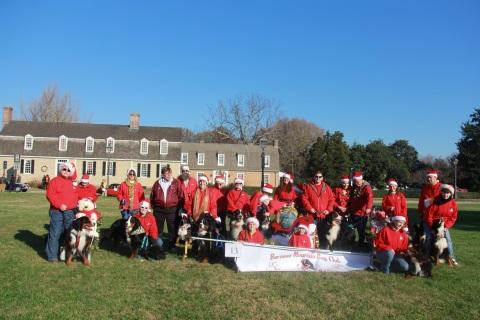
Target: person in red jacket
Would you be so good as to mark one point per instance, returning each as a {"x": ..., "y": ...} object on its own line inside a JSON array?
[
  {"x": 202, "y": 202},
  {"x": 445, "y": 207},
  {"x": 86, "y": 190},
  {"x": 300, "y": 238},
  {"x": 130, "y": 194},
  {"x": 286, "y": 191},
  {"x": 360, "y": 205},
  {"x": 188, "y": 185},
  {"x": 166, "y": 198},
  {"x": 237, "y": 199},
  {"x": 430, "y": 190},
  {"x": 391, "y": 246},
  {"x": 251, "y": 234},
  {"x": 342, "y": 195},
  {"x": 147, "y": 220},
  {"x": 218, "y": 193},
  {"x": 62, "y": 195},
  {"x": 394, "y": 202},
  {"x": 255, "y": 203}
]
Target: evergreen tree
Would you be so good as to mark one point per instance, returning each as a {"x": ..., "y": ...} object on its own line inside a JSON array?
[{"x": 469, "y": 153}]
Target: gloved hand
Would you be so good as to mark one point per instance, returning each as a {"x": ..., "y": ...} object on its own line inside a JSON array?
[{"x": 218, "y": 220}]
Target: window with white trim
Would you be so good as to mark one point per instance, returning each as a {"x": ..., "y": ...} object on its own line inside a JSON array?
[
  {"x": 28, "y": 145},
  {"x": 201, "y": 159},
  {"x": 62, "y": 143},
  {"x": 241, "y": 160},
  {"x": 143, "y": 170},
  {"x": 110, "y": 146},
  {"x": 221, "y": 159},
  {"x": 184, "y": 158},
  {"x": 27, "y": 166},
  {"x": 89, "y": 167},
  {"x": 110, "y": 168},
  {"x": 241, "y": 175},
  {"x": 144, "y": 146},
  {"x": 267, "y": 161},
  {"x": 89, "y": 144},
  {"x": 163, "y": 147},
  {"x": 266, "y": 178}
]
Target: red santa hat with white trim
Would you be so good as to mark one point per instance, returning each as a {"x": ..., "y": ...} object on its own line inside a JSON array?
[
  {"x": 219, "y": 179},
  {"x": 357, "y": 175},
  {"x": 268, "y": 188},
  {"x": 432, "y": 172},
  {"x": 240, "y": 181},
  {"x": 254, "y": 221},
  {"x": 344, "y": 179},
  {"x": 203, "y": 178},
  {"x": 304, "y": 227},
  {"x": 448, "y": 188},
  {"x": 392, "y": 182},
  {"x": 399, "y": 218},
  {"x": 85, "y": 178},
  {"x": 264, "y": 198}
]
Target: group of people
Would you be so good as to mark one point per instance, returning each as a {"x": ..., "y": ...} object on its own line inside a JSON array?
[{"x": 173, "y": 198}]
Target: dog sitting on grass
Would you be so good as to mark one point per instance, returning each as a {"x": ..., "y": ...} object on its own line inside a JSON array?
[{"x": 79, "y": 240}]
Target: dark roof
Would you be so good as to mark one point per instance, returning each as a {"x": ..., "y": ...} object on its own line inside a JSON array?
[{"x": 97, "y": 131}]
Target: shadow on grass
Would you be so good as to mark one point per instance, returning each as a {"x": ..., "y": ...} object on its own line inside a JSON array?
[
  {"x": 36, "y": 242},
  {"x": 468, "y": 221}
]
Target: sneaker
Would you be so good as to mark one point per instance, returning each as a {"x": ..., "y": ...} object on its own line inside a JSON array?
[{"x": 454, "y": 262}]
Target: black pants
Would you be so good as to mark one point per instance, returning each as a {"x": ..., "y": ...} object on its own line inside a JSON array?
[
  {"x": 169, "y": 215},
  {"x": 360, "y": 223}
]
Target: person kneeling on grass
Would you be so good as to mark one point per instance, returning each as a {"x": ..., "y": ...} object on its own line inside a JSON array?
[
  {"x": 147, "y": 220},
  {"x": 251, "y": 234},
  {"x": 391, "y": 244},
  {"x": 300, "y": 238}
]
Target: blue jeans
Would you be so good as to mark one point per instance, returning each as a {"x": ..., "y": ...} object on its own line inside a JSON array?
[
  {"x": 360, "y": 223},
  {"x": 59, "y": 222},
  {"x": 280, "y": 239},
  {"x": 429, "y": 239},
  {"x": 128, "y": 213},
  {"x": 392, "y": 262}
]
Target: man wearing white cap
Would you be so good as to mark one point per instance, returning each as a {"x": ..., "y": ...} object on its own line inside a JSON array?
[
  {"x": 202, "y": 202},
  {"x": 360, "y": 205},
  {"x": 430, "y": 190},
  {"x": 188, "y": 185},
  {"x": 218, "y": 194},
  {"x": 391, "y": 245}
]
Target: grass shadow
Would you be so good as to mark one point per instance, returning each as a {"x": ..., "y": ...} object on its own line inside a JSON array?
[
  {"x": 34, "y": 241},
  {"x": 468, "y": 221}
]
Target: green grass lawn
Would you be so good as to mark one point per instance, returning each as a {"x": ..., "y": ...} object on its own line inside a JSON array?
[{"x": 116, "y": 287}]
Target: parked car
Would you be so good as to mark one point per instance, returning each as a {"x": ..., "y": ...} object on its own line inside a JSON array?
[
  {"x": 18, "y": 187},
  {"x": 112, "y": 189}
]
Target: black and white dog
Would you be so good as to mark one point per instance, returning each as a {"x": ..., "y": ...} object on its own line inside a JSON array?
[
  {"x": 331, "y": 229},
  {"x": 205, "y": 227},
  {"x": 78, "y": 241},
  {"x": 236, "y": 225},
  {"x": 439, "y": 242}
]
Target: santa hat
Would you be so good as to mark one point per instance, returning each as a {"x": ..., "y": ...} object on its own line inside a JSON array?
[
  {"x": 254, "y": 221},
  {"x": 448, "y": 187},
  {"x": 85, "y": 178},
  {"x": 357, "y": 175},
  {"x": 380, "y": 215},
  {"x": 344, "y": 179},
  {"x": 238, "y": 180},
  {"x": 203, "y": 178},
  {"x": 302, "y": 226},
  {"x": 399, "y": 218},
  {"x": 392, "y": 182},
  {"x": 219, "y": 179},
  {"x": 145, "y": 204},
  {"x": 268, "y": 188},
  {"x": 132, "y": 169},
  {"x": 288, "y": 176},
  {"x": 185, "y": 167},
  {"x": 264, "y": 198},
  {"x": 432, "y": 172}
]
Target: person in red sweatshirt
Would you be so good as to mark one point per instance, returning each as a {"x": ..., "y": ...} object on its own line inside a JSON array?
[
  {"x": 300, "y": 238},
  {"x": 63, "y": 198},
  {"x": 237, "y": 199},
  {"x": 86, "y": 190},
  {"x": 202, "y": 202},
  {"x": 130, "y": 194},
  {"x": 255, "y": 203},
  {"x": 430, "y": 190},
  {"x": 360, "y": 205},
  {"x": 342, "y": 195},
  {"x": 394, "y": 202},
  {"x": 445, "y": 207},
  {"x": 286, "y": 190},
  {"x": 188, "y": 185},
  {"x": 251, "y": 234},
  {"x": 147, "y": 220},
  {"x": 391, "y": 246},
  {"x": 218, "y": 193}
]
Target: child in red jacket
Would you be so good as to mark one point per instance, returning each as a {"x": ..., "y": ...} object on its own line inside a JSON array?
[
  {"x": 147, "y": 220},
  {"x": 392, "y": 244},
  {"x": 300, "y": 239}
]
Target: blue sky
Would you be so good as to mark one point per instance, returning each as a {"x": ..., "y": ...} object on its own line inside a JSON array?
[{"x": 371, "y": 69}]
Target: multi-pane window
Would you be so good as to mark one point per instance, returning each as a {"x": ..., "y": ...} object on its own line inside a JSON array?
[
  {"x": 241, "y": 175},
  {"x": 89, "y": 144},
  {"x": 201, "y": 159},
  {"x": 62, "y": 143},
  {"x": 28, "y": 142},
  {"x": 110, "y": 166},
  {"x": 163, "y": 147},
  {"x": 89, "y": 167},
  {"x": 266, "y": 178},
  {"x": 27, "y": 166},
  {"x": 144, "y": 146},
  {"x": 241, "y": 160},
  {"x": 110, "y": 147},
  {"x": 143, "y": 170},
  {"x": 267, "y": 161},
  {"x": 184, "y": 158},
  {"x": 221, "y": 159}
]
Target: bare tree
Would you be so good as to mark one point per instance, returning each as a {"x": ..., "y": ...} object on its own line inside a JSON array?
[
  {"x": 243, "y": 119},
  {"x": 52, "y": 106},
  {"x": 295, "y": 136}
]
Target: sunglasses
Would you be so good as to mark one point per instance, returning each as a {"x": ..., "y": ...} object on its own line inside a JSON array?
[
  {"x": 144, "y": 208},
  {"x": 65, "y": 169},
  {"x": 319, "y": 177},
  {"x": 185, "y": 171},
  {"x": 131, "y": 174}
]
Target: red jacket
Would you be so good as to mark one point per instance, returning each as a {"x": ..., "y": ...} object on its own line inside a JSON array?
[
  {"x": 396, "y": 201},
  {"x": 220, "y": 198},
  {"x": 174, "y": 195},
  {"x": 318, "y": 197},
  {"x": 238, "y": 200},
  {"x": 88, "y": 191},
  {"x": 257, "y": 237},
  {"x": 389, "y": 239},
  {"x": 341, "y": 198},
  {"x": 60, "y": 191},
  {"x": 361, "y": 199},
  {"x": 149, "y": 224},
  {"x": 428, "y": 192},
  {"x": 212, "y": 203},
  {"x": 300, "y": 241},
  {"x": 255, "y": 202},
  {"x": 188, "y": 189},
  {"x": 448, "y": 210},
  {"x": 138, "y": 196},
  {"x": 285, "y": 196}
]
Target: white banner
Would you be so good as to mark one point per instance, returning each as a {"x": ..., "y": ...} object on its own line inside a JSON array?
[{"x": 250, "y": 257}]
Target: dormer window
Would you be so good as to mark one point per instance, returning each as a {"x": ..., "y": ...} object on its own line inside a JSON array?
[
  {"x": 110, "y": 146},
  {"x": 28, "y": 145},
  {"x": 241, "y": 160},
  {"x": 62, "y": 143},
  {"x": 144, "y": 146},
  {"x": 163, "y": 147},
  {"x": 221, "y": 159},
  {"x": 89, "y": 144}
]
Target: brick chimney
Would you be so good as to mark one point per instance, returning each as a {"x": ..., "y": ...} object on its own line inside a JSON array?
[
  {"x": 134, "y": 121},
  {"x": 7, "y": 115}
]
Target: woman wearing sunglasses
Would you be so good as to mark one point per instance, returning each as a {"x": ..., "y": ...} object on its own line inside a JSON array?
[{"x": 130, "y": 194}]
